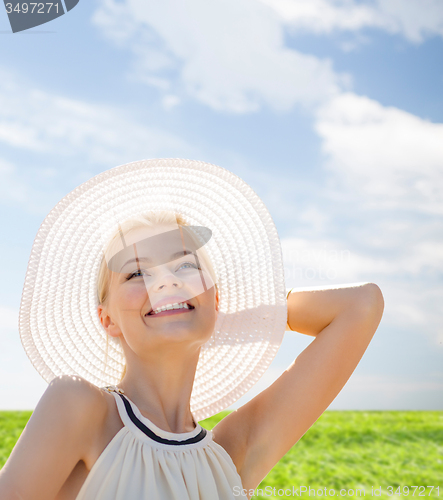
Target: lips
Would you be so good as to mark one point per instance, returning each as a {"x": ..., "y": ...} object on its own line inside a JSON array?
[
  {"x": 170, "y": 312},
  {"x": 167, "y": 301}
]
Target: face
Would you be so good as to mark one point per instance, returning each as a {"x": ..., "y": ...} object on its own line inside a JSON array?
[{"x": 154, "y": 280}]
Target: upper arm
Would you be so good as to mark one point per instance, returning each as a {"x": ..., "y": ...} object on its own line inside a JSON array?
[
  {"x": 263, "y": 430},
  {"x": 312, "y": 309},
  {"x": 52, "y": 443}
]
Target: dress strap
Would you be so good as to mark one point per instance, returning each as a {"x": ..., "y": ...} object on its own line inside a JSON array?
[{"x": 132, "y": 418}]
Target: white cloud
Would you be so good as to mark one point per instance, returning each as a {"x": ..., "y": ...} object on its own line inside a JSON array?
[
  {"x": 48, "y": 123},
  {"x": 391, "y": 392},
  {"x": 309, "y": 262},
  {"x": 391, "y": 385},
  {"x": 376, "y": 391},
  {"x": 390, "y": 157},
  {"x": 315, "y": 261},
  {"x": 414, "y": 19},
  {"x": 170, "y": 101},
  {"x": 316, "y": 218},
  {"x": 228, "y": 55},
  {"x": 323, "y": 16},
  {"x": 405, "y": 276},
  {"x": 231, "y": 56},
  {"x": 413, "y": 306}
]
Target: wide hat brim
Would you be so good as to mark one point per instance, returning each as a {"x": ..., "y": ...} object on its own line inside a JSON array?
[{"x": 58, "y": 322}]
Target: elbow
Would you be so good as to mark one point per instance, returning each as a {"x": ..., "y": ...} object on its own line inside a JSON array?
[
  {"x": 371, "y": 299},
  {"x": 376, "y": 296}
]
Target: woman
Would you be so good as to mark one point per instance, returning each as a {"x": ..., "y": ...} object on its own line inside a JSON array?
[{"x": 108, "y": 264}]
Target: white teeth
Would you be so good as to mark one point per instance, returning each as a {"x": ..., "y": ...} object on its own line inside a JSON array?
[{"x": 181, "y": 305}]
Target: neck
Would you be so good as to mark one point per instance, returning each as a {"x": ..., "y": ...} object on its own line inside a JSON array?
[{"x": 161, "y": 387}]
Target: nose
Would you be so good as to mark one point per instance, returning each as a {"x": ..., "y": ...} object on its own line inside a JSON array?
[{"x": 167, "y": 280}]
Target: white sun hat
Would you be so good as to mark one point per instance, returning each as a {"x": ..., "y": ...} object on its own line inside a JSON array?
[{"x": 58, "y": 321}]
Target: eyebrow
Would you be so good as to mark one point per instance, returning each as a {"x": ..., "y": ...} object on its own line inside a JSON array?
[{"x": 174, "y": 256}]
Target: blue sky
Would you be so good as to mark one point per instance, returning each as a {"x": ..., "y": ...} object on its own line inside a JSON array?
[{"x": 331, "y": 110}]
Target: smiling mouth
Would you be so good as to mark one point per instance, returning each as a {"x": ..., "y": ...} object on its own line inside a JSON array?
[{"x": 171, "y": 312}]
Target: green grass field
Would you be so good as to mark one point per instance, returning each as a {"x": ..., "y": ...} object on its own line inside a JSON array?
[{"x": 343, "y": 450}]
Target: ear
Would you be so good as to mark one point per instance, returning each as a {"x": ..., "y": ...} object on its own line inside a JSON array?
[{"x": 108, "y": 324}]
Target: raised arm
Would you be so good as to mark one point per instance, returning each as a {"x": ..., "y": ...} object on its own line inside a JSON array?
[
  {"x": 54, "y": 440},
  {"x": 343, "y": 321},
  {"x": 310, "y": 310}
]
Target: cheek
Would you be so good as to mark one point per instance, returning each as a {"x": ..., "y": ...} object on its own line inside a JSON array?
[{"x": 133, "y": 296}]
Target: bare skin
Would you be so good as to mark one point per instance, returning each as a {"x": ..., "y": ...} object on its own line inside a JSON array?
[{"x": 161, "y": 362}]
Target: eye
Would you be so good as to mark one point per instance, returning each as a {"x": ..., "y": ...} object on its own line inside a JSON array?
[
  {"x": 137, "y": 273},
  {"x": 188, "y": 264},
  {"x": 134, "y": 274}
]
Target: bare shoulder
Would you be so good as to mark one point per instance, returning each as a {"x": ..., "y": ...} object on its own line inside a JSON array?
[
  {"x": 76, "y": 398},
  {"x": 74, "y": 386},
  {"x": 80, "y": 400},
  {"x": 56, "y": 438}
]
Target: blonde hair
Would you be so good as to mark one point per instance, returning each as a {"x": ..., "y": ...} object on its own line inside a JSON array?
[{"x": 148, "y": 219}]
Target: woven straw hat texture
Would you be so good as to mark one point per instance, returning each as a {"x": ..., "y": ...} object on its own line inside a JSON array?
[{"x": 58, "y": 322}]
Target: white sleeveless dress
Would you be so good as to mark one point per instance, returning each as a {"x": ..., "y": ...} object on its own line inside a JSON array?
[{"x": 143, "y": 461}]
